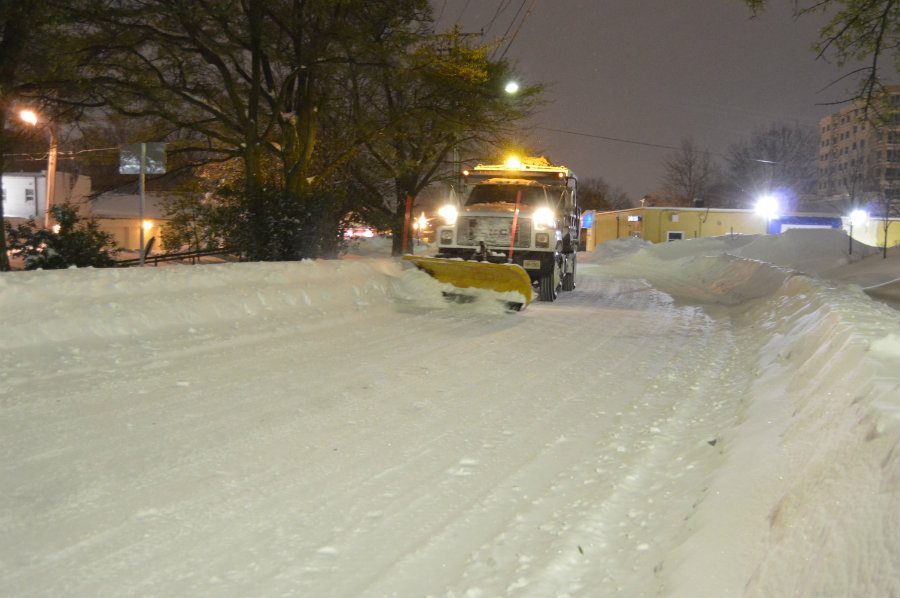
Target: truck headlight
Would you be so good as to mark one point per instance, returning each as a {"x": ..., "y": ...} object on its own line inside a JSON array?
[
  {"x": 446, "y": 236},
  {"x": 448, "y": 213},
  {"x": 543, "y": 219}
]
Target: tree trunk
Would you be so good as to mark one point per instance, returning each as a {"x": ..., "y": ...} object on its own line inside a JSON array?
[{"x": 399, "y": 224}]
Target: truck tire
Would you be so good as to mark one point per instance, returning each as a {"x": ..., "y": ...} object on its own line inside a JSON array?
[
  {"x": 550, "y": 281},
  {"x": 568, "y": 279}
]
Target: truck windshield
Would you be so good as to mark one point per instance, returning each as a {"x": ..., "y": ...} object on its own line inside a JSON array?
[{"x": 531, "y": 195}]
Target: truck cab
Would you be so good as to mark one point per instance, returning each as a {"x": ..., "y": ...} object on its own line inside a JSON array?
[{"x": 521, "y": 212}]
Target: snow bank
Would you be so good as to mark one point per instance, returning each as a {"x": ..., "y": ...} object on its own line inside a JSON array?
[
  {"x": 812, "y": 468},
  {"x": 611, "y": 250},
  {"x": 811, "y": 251},
  {"x": 56, "y": 307}
]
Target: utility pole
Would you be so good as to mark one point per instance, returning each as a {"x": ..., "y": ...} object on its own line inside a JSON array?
[{"x": 51, "y": 173}]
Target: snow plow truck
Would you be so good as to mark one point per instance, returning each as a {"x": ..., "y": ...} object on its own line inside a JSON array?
[{"x": 515, "y": 232}]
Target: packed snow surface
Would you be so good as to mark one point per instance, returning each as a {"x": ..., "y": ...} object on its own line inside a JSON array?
[{"x": 707, "y": 418}]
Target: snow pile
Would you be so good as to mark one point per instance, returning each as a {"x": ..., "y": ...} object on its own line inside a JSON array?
[
  {"x": 53, "y": 308},
  {"x": 614, "y": 249},
  {"x": 812, "y": 251},
  {"x": 380, "y": 246},
  {"x": 812, "y": 476},
  {"x": 815, "y": 455},
  {"x": 377, "y": 246}
]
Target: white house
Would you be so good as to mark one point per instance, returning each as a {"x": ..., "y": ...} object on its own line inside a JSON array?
[
  {"x": 24, "y": 196},
  {"x": 25, "y": 193}
]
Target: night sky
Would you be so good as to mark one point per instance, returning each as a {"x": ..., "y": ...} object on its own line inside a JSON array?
[{"x": 656, "y": 71}]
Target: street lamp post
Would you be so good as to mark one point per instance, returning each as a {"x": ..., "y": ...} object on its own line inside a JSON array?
[
  {"x": 857, "y": 217},
  {"x": 31, "y": 117}
]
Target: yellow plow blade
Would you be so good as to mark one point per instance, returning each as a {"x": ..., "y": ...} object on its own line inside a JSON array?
[{"x": 501, "y": 278}]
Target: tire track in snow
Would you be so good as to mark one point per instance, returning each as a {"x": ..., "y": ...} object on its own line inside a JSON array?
[{"x": 450, "y": 468}]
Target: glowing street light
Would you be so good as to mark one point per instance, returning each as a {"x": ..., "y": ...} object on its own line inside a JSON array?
[
  {"x": 419, "y": 225},
  {"x": 858, "y": 217},
  {"x": 31, "y": 117},
  {"x": 767, "y": 207},
  {"x": 511, "y": 88}
]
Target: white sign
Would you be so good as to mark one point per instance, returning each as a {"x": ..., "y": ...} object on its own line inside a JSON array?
[{"x": 154, "y": 158}]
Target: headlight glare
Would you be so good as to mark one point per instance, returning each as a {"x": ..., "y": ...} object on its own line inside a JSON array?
[
  {"x": 544, "y": 218},
  {"x": 448, "y": 213}
]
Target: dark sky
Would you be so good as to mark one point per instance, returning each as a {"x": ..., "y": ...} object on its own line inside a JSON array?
[{"x": 656, "y": 71}]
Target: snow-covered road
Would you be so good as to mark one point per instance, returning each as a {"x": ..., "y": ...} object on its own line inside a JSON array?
[{"x": 338, "y": 429}]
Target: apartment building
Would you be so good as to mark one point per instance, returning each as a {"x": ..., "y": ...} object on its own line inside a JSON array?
[{"x": 859, "y": 164}]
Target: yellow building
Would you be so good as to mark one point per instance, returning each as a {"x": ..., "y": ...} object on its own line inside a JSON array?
[{"x": 660, "y": 224}]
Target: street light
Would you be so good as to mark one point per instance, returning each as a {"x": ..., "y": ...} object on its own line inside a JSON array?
[
  {"x": 419, "y": 225},
  {"x": 857, "y": 218},
  {"x": 767, "y": 207},
  {"x": 511, "y": 88},
  {"x": 31, "y": 117}
]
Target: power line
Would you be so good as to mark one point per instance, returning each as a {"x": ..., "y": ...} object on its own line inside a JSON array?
[
  {"x": 463, "y": 11},
  {"x": 63, "y": 154},
  {"x": 620, "y": 140},
  {"x": 511, "y": 23},
  {"x": 522, "y": 22},
  {"x": 500, "y": 8}
]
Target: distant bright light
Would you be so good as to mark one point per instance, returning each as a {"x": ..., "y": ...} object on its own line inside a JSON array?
[
  {"x": 29, "y": 116},
  {"x": 767, "y": 206},
  {"x": 56, "y": 228},
  {"x": 353, "y": 233},
  {"x": 513, "y": 163},
  {"x": 148, "y": 224},
  {"x": 858, "y": 217},
  {"x": 511, "y": 87}
]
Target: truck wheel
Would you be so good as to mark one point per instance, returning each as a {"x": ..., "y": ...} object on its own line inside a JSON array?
[
  {"x": 550, "y": 282},
  {"x": 568, "y": 279}
]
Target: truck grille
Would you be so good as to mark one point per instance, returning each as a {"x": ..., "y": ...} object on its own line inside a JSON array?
[{"x": 494, "y": 231}]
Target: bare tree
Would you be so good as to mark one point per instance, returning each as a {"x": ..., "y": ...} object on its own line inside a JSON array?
[
  {"x": 691, "y": 174},
  {"x": 595, "y": 193},
  {"x": 780, "y": 158}
]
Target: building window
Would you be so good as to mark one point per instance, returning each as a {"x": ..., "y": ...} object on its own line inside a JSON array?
[
  {"x": 29, "y": 194},
  {"x": 674, "y": 235}
]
